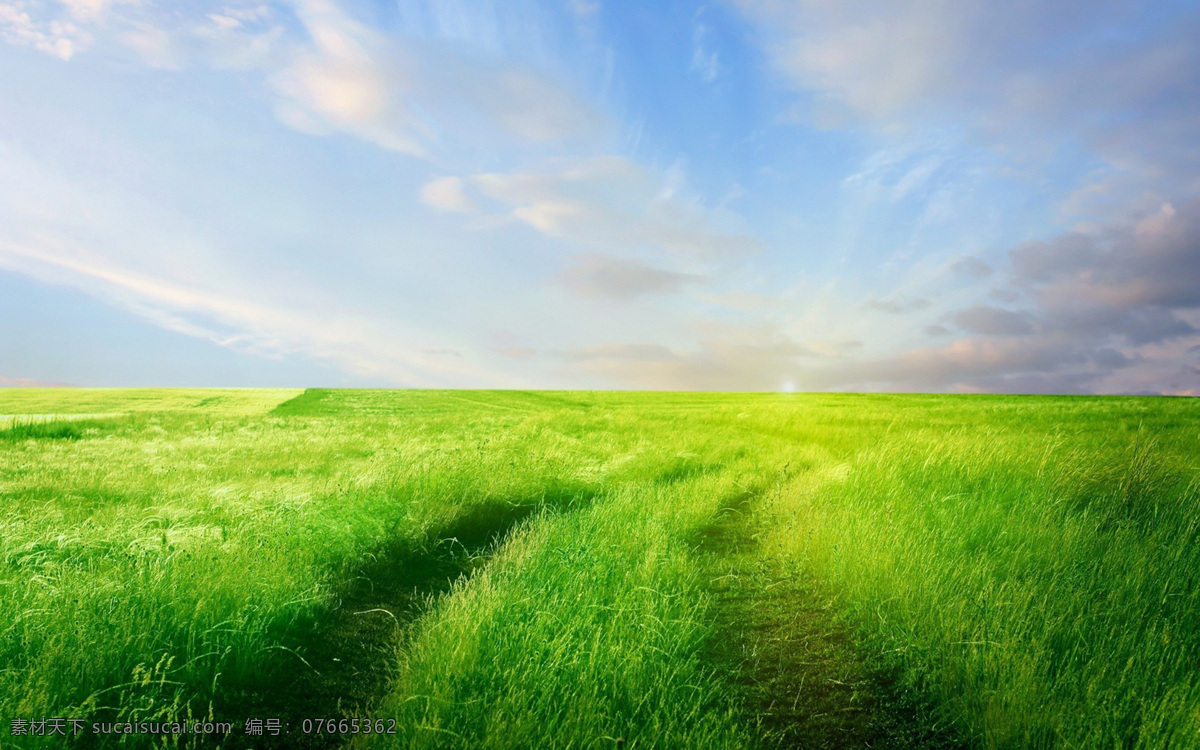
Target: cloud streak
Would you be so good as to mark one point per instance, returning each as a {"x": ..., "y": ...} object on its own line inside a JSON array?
[
  {"x": 329, "y": 71},
  {"x": 623, "y": 279},
  {"x": 345, "y": 81},
  {"x": 364, "y": 345},
  {"x": 1025, "y": 76},
  {"x": 610, "y": 203}
]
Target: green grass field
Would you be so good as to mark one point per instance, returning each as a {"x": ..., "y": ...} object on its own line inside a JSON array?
[{"x": 590, "y": 570}]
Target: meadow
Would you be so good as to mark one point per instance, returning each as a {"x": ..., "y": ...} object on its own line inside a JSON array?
[{"x": 600, "y": 569}]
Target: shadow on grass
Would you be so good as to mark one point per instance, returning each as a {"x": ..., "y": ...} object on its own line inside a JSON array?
[
  {"x": 348, "y": 658},
  {"x": 801, "y": 677}
]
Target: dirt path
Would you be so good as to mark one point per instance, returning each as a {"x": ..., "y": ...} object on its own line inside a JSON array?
[
  {"x": 803, "y": 680},
  {"x": 348, "y": 660}
]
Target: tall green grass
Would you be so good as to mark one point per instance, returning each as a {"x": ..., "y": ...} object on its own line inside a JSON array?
[
  {"x": 587, "y": 631},
  {"x": 1034, "y": 573},
  {"x": 1025, "y": 564},
  {"x": 27, "y": 428},
  {"x": 168, "y": 566}
]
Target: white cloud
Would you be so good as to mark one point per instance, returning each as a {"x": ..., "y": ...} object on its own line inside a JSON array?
[
  {"x": 148, "y": 260},
  {"x": 362, "y": 343},
  {"x": 344, "y": 81},
  {"x": 154, "y": 45},
  {"x": 64, "y": 28},
  {"x": 525, "y": 104},
  {"x": 240, "y": 37},
  {"x": 448, "y": 194},
  {"x": 1028, "y": 77},
  {"x": 624, "y": 279},
  {"x": 333, "y": 73},
  {"x": 875, "y": 57},
  {"x": 610, "y": 203},
  {"x": 419, "y": 97},
  {"x": 93, "y": 11},
  {"x": 705, "y": 62},
  {"x": 880, "y": 58},
  {"x": 585, "y": 8},
  {"x": 54, "y": 36}
]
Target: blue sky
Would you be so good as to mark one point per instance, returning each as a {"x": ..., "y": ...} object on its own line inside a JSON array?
[{"x": 906, "y": 195}]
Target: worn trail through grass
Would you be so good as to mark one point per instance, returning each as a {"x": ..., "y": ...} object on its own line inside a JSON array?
[
  {"x": 802, "y": 679},
  {"x": 350, "y": 656}
]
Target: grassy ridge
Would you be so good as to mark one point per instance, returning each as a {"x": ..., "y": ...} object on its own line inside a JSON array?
[
  {"x": 587, "y": 631},
  {"x": 1024, "y": 567}
]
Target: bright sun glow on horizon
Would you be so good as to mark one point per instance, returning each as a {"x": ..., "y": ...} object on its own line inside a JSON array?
[{"x": 742, "y": 195}]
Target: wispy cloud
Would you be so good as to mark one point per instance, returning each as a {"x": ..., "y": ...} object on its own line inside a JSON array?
[
  {"x": 331, "y": 72},
  {"x": 624, "y": 279},
  {"x": 1030, "y": 78},
  {"x": 897, "y": 305},
  {"x": 157, "y": 266},
  {"x": 55, "y": 35},
  {"x": 448, "y": 194},
  {"x": 705, "y": 62},
  {"x": 345, "y": 81},
  {"x": 610, "y": 203},
  {"x": 363, "y": 344},
  {"x": 420, "y": 96}
]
